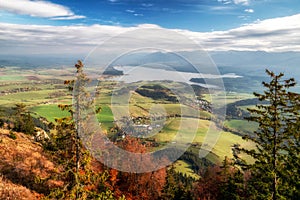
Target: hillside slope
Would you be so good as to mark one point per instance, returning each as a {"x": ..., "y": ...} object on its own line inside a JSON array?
[{"x": 24, "y": 167}]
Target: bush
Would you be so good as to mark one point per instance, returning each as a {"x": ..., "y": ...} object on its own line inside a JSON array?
[{"x": 12, "y": 135}]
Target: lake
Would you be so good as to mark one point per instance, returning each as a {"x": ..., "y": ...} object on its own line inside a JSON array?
[{"x": 139, "y": 73}]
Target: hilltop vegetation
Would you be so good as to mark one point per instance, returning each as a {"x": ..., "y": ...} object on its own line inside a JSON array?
[{"x": 24, "y": 167}]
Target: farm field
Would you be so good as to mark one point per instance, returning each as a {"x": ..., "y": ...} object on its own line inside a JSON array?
[
  {"x": 105, "y": 117},
  {"x": 221, "y": 99},
  {"x": 242, "y": 125},
  {"x": 185, "y": 168},
  {"x": 50, "y": 112},
  {"x": 42, "y": 99},
  {"x": 221, "y": 141}
]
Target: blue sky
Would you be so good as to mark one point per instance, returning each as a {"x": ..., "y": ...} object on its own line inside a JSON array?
[
  {"x": 264, "y": 25},
  {"x": 194, "y": 15}
]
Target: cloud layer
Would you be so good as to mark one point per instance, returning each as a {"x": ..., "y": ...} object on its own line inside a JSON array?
[
  {"x": 272, "y": 35},
  {"x": 38, "y": 9}
]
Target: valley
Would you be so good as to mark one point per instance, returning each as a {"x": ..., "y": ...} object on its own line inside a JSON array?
[{"x": 155, "y": 113}]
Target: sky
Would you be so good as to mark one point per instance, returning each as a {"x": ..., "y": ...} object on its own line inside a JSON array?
[{"x": 62, "y": 26}]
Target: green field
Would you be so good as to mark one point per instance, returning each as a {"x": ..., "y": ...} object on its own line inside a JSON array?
[
  {"x": 221, "y": 99},
  {"x": 50, "y": 112},
  {"x": 105, "y": 117},
  {"x": 11, "y": 78},
  {"x": 218, "y": 141},
  {"x": 223, "y": 147},
  {"x": 29, "y": 98},
  {"x": 242, "y": 125},
  {"x": 185, "y": 168}
]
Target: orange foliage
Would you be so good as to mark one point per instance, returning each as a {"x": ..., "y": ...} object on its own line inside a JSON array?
[
  {"x": 138, "y": 185},
  {"x": 113, "y": 176}
]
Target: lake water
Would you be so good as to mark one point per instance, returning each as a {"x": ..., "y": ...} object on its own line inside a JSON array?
[{"x": 139, "y": 73}]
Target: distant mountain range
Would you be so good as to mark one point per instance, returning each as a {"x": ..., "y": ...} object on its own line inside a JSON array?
[
  {"x": 239, "y": 62},
  {"x": 242, "y": 62},
  {"x": 255, "y": 62}
]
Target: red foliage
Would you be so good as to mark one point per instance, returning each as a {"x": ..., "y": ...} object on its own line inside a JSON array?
[
  {"x": 138, "y": 185},
  {"x": 207, "y": 187}
]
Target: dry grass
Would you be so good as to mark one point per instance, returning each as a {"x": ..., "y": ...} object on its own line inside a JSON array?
[
  {"x": 24, "y": 167},
  {"x": 9, "y": 190}
]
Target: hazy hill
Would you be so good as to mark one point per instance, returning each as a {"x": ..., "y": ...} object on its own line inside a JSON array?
[
  {"x": 240, "y": 62},
  {"x": 257, "y": 61}
]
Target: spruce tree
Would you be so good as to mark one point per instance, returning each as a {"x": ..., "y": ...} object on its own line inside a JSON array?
[
  {"x": 22, "y": 119},
  {"x": 81, "y": 180},
  {"x": 276, "y": 140},
  {"x": 292, "y": 148}
]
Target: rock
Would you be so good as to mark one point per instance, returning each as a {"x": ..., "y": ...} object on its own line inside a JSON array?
[{"x": 40, "y": 135}]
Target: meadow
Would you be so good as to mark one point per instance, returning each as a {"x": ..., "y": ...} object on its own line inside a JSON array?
[
  {"x": 50, "y": 112},
  {"x": 241, "y": 125},
  {"x": 219, "y": 99},
  {"x": 184, "y": 167}
]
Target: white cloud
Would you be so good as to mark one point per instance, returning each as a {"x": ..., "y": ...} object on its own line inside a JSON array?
[
  {"x": 242, "y": 2},
  {"x": 221, "y": 8},
  {"x": 38, "y": 9},
  {"x": 69, "y": 17},
  {"x": 135, "y": 14},
  {"x": 225, "y": 2},
  {"x": 249, "y": 10},
  {"x": 243, "y": 17},
  {"x": 149, "y": 26},
  {"x": 130, "y": 11},
  {"x": 147, "y": 4},
  {"x": 138, "y": 15},
  {"x": 277, "y": 34},
  {"x": 272, "y": 35}
]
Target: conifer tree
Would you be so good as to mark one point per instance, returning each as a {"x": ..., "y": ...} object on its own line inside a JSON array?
[
  {"x": 23, "y": 120},
  {"x": 81, "y": 180},
  {"x": 292, "y": 148},
  {"x": 276, "y": 132}
]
